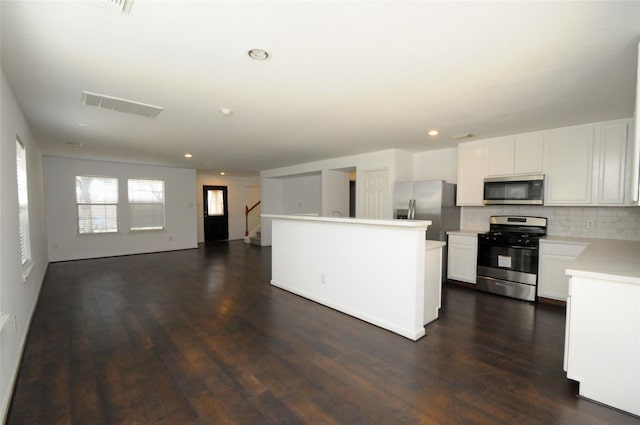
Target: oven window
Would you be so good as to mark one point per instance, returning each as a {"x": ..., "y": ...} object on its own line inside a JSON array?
[{"x": 507, "y": 257}]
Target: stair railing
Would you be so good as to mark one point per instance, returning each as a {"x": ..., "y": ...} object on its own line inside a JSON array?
[{"x": 247, "y": 210}]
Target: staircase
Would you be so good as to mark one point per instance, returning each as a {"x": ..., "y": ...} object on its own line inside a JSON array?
[{"x": 256, "y": 239}]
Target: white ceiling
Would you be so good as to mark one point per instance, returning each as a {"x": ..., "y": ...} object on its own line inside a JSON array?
[{"x": 344, "y": 77}]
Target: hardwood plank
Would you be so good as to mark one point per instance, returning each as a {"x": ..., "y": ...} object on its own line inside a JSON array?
[{"x": 199, "y": 336}]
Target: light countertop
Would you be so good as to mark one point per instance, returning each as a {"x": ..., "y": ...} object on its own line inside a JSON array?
[
  {"x": 416, "y": 224},
  {"x": 610, "y": 260},
  {"x": 465, "y": 232},
  {"x": 434, "y": 244}
]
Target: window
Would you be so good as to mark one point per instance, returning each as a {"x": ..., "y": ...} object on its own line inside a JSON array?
[
  {"x": 23, "y": 202},
  {"x": 146, "y": 204},
  {"x": 97, "y": 199},
  {"x": 215, "y": 202}
]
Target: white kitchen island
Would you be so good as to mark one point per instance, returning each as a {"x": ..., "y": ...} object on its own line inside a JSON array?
[
  {"x": 375, "y": 270},
  {"x": 602, "y": 340}
]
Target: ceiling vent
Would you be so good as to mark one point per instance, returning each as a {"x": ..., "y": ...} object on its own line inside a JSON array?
[
  {"x": 123, "y": 6},
  {"x": 120, "y": 105},
  {"x": 462, "y": 136}
]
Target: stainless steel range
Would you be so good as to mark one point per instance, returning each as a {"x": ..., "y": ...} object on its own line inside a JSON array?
[{"x": 508, "y": 256}]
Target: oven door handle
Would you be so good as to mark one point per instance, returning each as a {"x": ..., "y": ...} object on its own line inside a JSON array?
[{"x": 499, "y": 245}]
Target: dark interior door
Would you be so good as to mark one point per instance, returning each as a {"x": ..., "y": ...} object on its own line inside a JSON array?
[{"x": 216, "y": 213}]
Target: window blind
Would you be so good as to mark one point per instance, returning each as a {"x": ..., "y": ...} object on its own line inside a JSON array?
[
  {"x": 97, "y": 200},
  {"x": 146, "y": 204},
  {"x": 23, "y": 202}
]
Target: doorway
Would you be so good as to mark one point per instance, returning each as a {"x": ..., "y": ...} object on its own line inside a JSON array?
[{"x": 216, "y": 213}]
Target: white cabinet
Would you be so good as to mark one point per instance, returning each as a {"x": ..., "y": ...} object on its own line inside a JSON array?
[
  {"x": 471, "y": 173},
  {"x": 555, "y": 257},
  {"x": 602, "y": 340},
  {"x": 586, "y": 165},
  {"x": 611, "y": 154},
  {"x": 569, "y": 165},
  {"x": 462, "y": 257},
  {"x": 529, "y": 153},
  {"x": 500, "y": 156},
  {"x": 521, "y": 154}
]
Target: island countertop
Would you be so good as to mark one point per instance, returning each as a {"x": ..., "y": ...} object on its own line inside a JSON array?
[
  {"x": 608, "y": 259},
  {"x": 414, "y": 224}
]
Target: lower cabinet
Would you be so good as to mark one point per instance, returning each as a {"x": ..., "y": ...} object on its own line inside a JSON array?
[
  {"x": 554, "y": 259},
  {"x": 602, "y": 340},
  {"x": 462, "y": 257}
]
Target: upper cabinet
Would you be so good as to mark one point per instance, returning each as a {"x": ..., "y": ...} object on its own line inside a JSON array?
[
  {"x": 521, "y": 154},
  {"x": 472, "y": 165},
  {"x": 529, "y": 153},
  {"x": 609, "y": 169},
  {"x": 569, "y": 166},
  {"x": 585, "y": 165}
]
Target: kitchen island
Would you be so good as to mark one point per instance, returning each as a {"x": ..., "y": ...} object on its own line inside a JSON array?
[
  {"x": 375, "y": 270},
  {"x": 602, "y": 339}
]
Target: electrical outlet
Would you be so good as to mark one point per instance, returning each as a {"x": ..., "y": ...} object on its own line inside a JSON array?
[
  {"x": 15, "y": 322},
  {"x": 322, "y": 279},
  {"x": 588, "y": 224}
]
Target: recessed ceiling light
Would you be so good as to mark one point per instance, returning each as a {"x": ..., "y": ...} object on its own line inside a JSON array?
[
  {"x": 188, "y": 155},
  {"x": 226, "y": 111},
  {"x": 83, "y": 125},
  {"x": 222, "y": 173},
  {"x": 433, "y": 133},
  {"x": 258, "y": 54}
]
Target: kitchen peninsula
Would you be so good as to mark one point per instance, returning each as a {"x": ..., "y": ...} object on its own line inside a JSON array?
[
  {"x": 602, "y": 339},
  {"x": 381, "y": 271}
]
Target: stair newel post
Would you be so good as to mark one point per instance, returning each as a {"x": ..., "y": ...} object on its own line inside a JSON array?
[{"x": 246, "y": 221}]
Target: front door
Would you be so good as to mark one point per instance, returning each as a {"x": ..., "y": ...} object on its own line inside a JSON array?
[{"x": 216, "y": 213}]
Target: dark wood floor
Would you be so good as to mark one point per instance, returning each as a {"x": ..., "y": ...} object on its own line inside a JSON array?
[{"x": 200, "y": 337}]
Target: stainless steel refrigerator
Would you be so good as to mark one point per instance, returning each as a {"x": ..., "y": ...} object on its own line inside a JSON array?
[{"x": 433, "y": 200}]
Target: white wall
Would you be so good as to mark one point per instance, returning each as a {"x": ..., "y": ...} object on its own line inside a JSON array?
[
  {"x": 64, "y": 242},
  {"x": 276, "y": 198},
  {"x": 440, "y": 164},
  {"x": 335, "y": 193},
  {"x": 241, "y": 192},
  {"x": 17, "y": 297},
  {"x": 302, "y": 195}
]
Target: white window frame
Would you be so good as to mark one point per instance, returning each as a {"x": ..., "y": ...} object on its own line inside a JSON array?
[
  {"x": 146, "y": 212},
  {"x": 23, "y": 206},
  {"x": 106, "y": 203}
]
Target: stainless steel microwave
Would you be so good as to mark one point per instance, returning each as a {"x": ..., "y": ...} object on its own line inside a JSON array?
[{"x": 514, "y": 190}]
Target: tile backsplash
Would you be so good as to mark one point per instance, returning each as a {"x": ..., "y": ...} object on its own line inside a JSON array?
[{"x": 583, "y": 222}]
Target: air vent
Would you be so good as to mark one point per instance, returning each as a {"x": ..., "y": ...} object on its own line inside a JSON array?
[
  {"x": 462, "y": 136},
  {"x": 123, "y": 6},
  {"x": 120, "y": 105}
]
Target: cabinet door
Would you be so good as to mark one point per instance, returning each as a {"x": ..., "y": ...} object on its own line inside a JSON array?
[
  {"x": 500, "y": 155},
  {"x": 462, "y": 258},
  {"x": 569, "y": 165},
  {"x": 553, "y": 282},
  {"x": 528, "y": 155},
  {"x": 611, "y": 148},
  {"x": 471, "y": 173}
]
